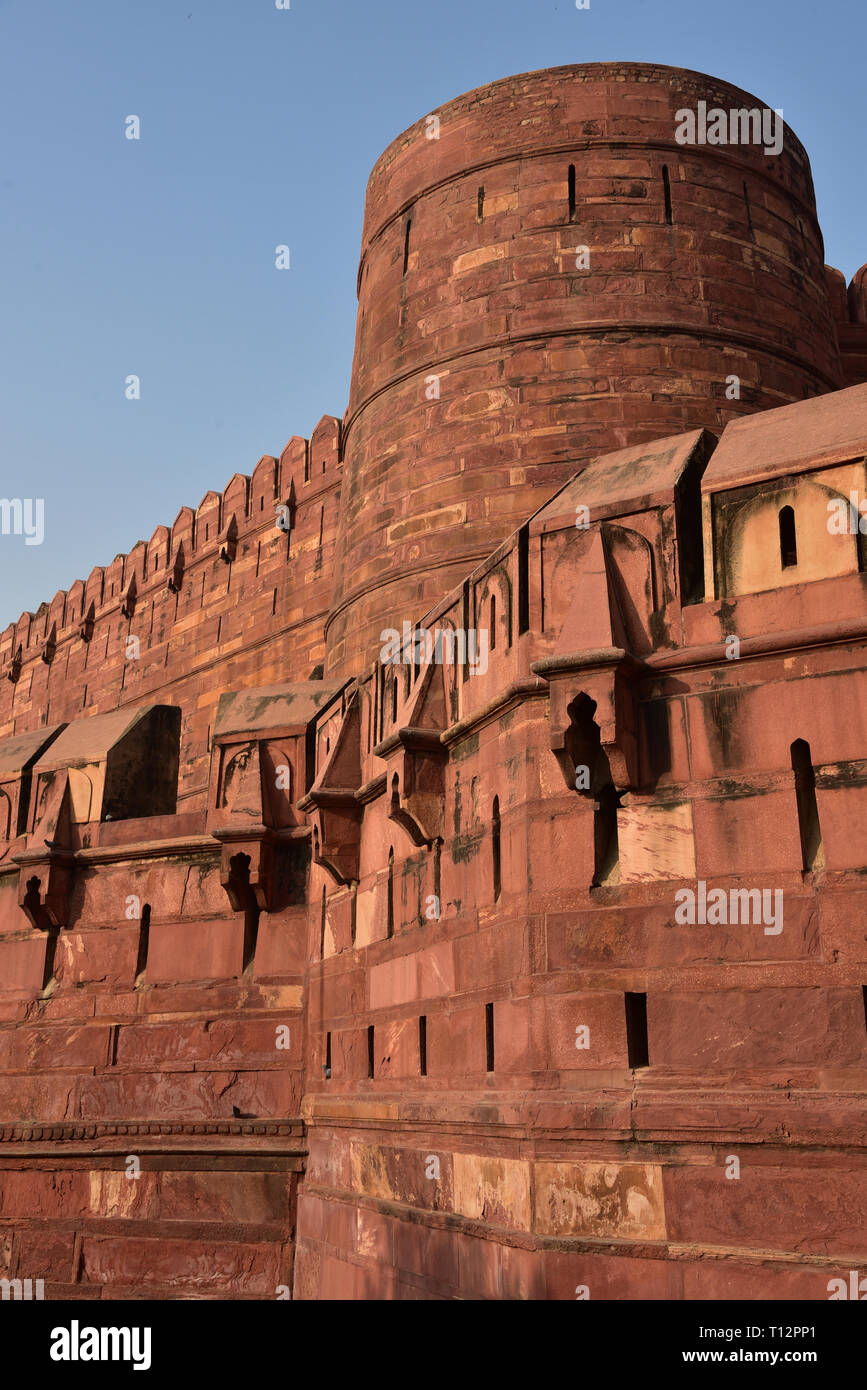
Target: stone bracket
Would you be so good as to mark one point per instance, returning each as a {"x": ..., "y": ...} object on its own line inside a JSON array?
[
  {"x": 247, "y": 867},
  {"x": 336, "y": 820},
  {"x": 44, "y": 886},
  {"x": 607, "y": 676},
  {"x": 46, "y": 862},
  {"x": 415, "y": 781},
  {"x": 333, "y": 804}
]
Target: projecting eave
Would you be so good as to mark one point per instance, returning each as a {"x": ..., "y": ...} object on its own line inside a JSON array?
[
  {"x": 792, "y": 439},
  {"x": 628, "y": 481},
  {"x": 268, "y": 707}
]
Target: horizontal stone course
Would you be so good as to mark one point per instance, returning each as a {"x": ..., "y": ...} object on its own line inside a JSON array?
[{"x": 394, "y": 1001}]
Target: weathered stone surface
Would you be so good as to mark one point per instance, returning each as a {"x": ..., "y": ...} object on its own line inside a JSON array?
[
  {"x": 600, "y": 1199},
  {"x": 523, "y": 959}
]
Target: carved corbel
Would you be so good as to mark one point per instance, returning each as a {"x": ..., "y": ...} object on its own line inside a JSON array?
[
  {"x": 416, "y": 759},
  {"x": 592, "y": 661},
  {"x": 247, "y": 868},
  {"x": 607, "y": 678},
  {"x": 237, "y": 821},
  {"x": 336, "y": 821},
  {"x": 44, "y": 886},
  {"x": 332, "y": 804},
  {"x": 415, "y": 780},
  {"x": 46, "y": 862}
]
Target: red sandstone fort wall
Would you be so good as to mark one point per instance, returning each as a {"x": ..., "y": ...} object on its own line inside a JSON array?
[
  {"x": 440, "y": 1168},
  {"x": 333, "y": 1015},
  {"x": 253, "y": 619},
  {"x": 468, "y": 276}
]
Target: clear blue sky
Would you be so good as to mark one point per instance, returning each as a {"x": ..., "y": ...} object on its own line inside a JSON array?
[{"x": 260, "y": 126}]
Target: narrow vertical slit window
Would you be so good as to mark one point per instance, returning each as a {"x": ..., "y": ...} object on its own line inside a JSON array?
[
  {"x": 390, "y": 907},
  {"x": 370, "y": 1052},
  {"x": 524, "y": 579},
  {"x": 492, "y": 623},
  {"x": 812, "y": 850},
  {"x": 480, "y": 212},
  {"x": 251, "y": 933},
  {"x": 749, "y": 212},
  {"x": 144, "y": 930},
  {"x": 788, "y": 539},
  {"x": 327, "y": 1056},
  {"x": 51, "y": 937},
  {"x": 437, "y": 876},
  {"x": 489, "y": 1037},
  {"x": 406, "y": 237},
  {"x": 572, "y": 203},
  {"x": 422, "y": 1045},
  {"x": 495, "y": 848},
  {"x": 605, "y": 837},
  {"x": 636, "y": 1029},
  {"x": 666, "y": 188},
  {"x": 322, "y": 926}
]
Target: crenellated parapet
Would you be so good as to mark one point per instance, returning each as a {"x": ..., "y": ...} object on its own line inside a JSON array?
[
  {"x": 249, "y": 567},
  {"x": 348, "y": 822},
  {"x": 849, "y": 308}
]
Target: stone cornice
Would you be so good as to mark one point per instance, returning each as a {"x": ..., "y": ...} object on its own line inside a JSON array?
[{"x": 175, "y": 1136}]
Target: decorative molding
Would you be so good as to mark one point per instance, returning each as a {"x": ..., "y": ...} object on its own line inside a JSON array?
[{"x": 77, "y": 1130}]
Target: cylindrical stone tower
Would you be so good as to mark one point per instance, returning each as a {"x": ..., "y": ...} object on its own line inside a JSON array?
[{"x": 493, "y": 357}]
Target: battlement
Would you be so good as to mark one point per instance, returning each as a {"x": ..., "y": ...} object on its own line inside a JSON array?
[
  {"x": 241, "y": 581},
  {"x": 849, "y": 307},
  {"x": 346, "y": 823},
  {"x": 246, "y": 507}
]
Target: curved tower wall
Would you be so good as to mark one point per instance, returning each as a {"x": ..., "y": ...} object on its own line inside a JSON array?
[{"x": 488, "y": 367}]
